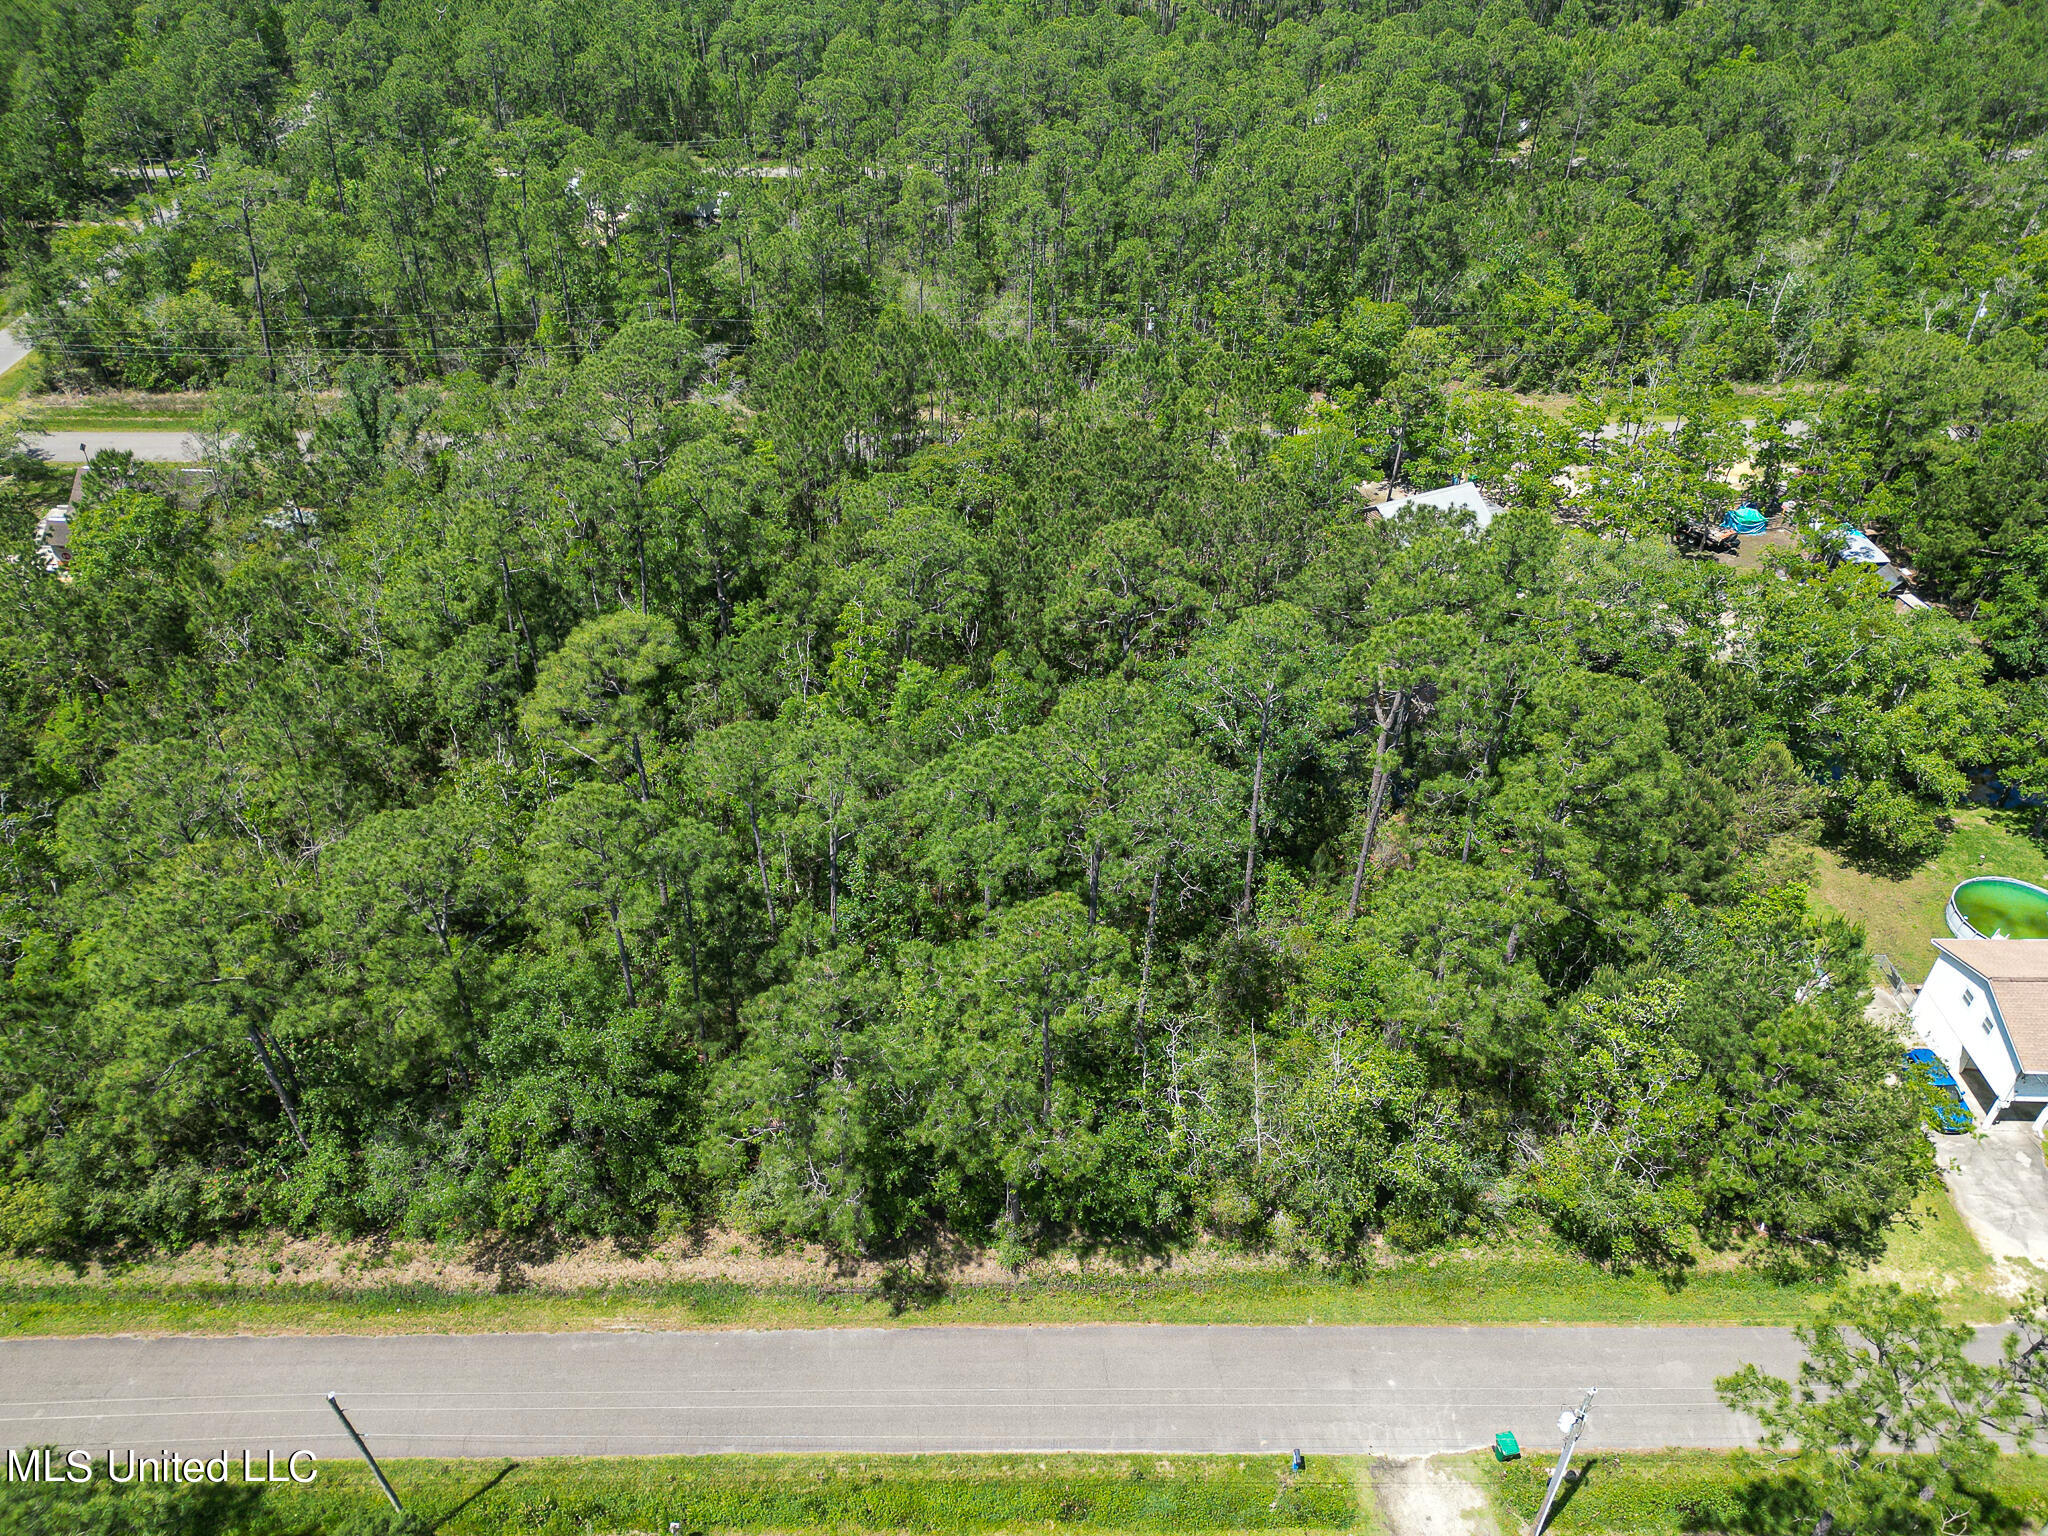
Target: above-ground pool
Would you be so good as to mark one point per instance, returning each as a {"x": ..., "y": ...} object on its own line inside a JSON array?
[{"x": 1995, "y": 907}]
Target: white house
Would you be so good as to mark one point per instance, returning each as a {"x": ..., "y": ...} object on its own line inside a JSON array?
[
  {"x": 1464, "y": 494},
  {"x": 53, "y": 538},
  {"x": 1984, "y": 1012}
]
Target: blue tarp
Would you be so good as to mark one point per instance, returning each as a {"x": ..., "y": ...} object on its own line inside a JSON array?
[{"x": 1744, "y": 520}]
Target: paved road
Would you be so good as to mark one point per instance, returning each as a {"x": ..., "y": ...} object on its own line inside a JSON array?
[
  {"x": 1748, "y": 424},
  {"x": 64, "y": 447},
  {"x": 156, "y": 447},
  {"x": 1393, "y": 1391}
]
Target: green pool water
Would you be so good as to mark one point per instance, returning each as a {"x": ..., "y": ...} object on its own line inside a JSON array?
[{"x": 2003, "y": 909}]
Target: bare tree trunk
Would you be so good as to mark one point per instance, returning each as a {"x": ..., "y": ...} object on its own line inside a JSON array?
[
  {"x": 276, "y": 1085},
  {"x": 334, "y": 167},
  {"x": 832, "y": 877},
  {"x": 1258, "y": 1106},
  {"x": 514, "y": 611},
  {"x": 1472, "y": 813},
  {"x": 1045, "y": 1069},
  {"x": 1145, "y": 965},
  {"x": 454, "y": 966},
  {"x": 690, "y": 931},
  {"x": 491, "y": 272},
  {"x": 262, "y": 311},
  {"x": 1030, "y": 294},
  {"x": 1389, "y": 722},
  {"x": 625, "y": 966},
  {"x": 640, "y": 767},
  {"x": 761, "y": 862},
  {"x": 1251, "y": 847}
]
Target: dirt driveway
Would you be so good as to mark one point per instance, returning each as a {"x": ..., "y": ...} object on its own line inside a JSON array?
[{"x": 1418, "y": 1498}]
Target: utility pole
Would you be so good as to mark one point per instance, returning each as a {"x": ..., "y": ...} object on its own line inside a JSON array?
[
  {"x": 375, "y": 1471},
  {"x": 1571, "y": 1424}
]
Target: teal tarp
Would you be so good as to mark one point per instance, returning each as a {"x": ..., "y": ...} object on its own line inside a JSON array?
[{"x": 1744, "y": 520}]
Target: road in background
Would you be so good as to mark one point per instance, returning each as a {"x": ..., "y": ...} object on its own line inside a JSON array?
[
  {"x": 155, "y": 447},
  {"x": 77, "y": 447},
  {"x": 1387, "y": 1391}
]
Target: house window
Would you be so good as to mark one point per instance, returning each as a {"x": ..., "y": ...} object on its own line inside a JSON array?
[{"x": 1969, "y": 997}]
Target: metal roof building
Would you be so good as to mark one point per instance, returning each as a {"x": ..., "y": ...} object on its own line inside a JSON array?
[{"x": 1464, "y": 495}]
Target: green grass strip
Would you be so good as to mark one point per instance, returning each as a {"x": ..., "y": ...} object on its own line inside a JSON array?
[
  {"x": 558, "y": 1497},
  {"x": 16, "y": 380},
  {"x": 154, "y": 416},
  {"x": 1449, "y": 1292},
  {"x": 1667, "y": 1493}
]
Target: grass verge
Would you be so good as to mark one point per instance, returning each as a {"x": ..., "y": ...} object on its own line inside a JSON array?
[
  {"x": 1936, "y": 1253},
  {"x": 15, "y": 381},
  {"x": 1665, "y": 1493},
  {"x": 177, "y": 414},
  {"x": 58, "y": 429},
  {"x": 557, "y": 1497}
]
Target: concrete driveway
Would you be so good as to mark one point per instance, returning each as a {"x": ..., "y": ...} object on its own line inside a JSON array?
[{"x": 2000, "y": 1185}]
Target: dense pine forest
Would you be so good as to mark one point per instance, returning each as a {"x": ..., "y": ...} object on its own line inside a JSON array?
[{"x": 781, "y": 628}]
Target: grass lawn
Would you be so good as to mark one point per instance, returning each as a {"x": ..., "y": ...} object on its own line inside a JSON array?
[
  {"x": 1139, "y": 1494},
  {"x": 18, "y": 378},
  {"x": 1935, "y": 1252},
  {"x": 178, "y": 413},
  {"x": 1902, "y": 915},
  {"x": 1635, "y": 1493}
]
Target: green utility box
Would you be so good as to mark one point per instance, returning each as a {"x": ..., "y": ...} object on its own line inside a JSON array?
[{"x": 1506, "y": 1447}]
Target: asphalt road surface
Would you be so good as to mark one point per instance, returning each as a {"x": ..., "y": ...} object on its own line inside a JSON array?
[
  {"x": 77, "y": 447},
  {"x": 64, "y": 447},
  {"x": 1386, "y": 1391}
]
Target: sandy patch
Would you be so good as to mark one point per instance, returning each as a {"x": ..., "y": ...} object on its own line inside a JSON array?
[
  {"x": 492, "y": 1264},
  {"x": 1417, "y": 1497}
]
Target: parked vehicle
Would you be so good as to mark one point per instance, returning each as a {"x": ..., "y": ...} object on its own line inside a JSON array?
[
  {"x": 1715, "y": 541},
  {"x": 1951, "y": 1114}
]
